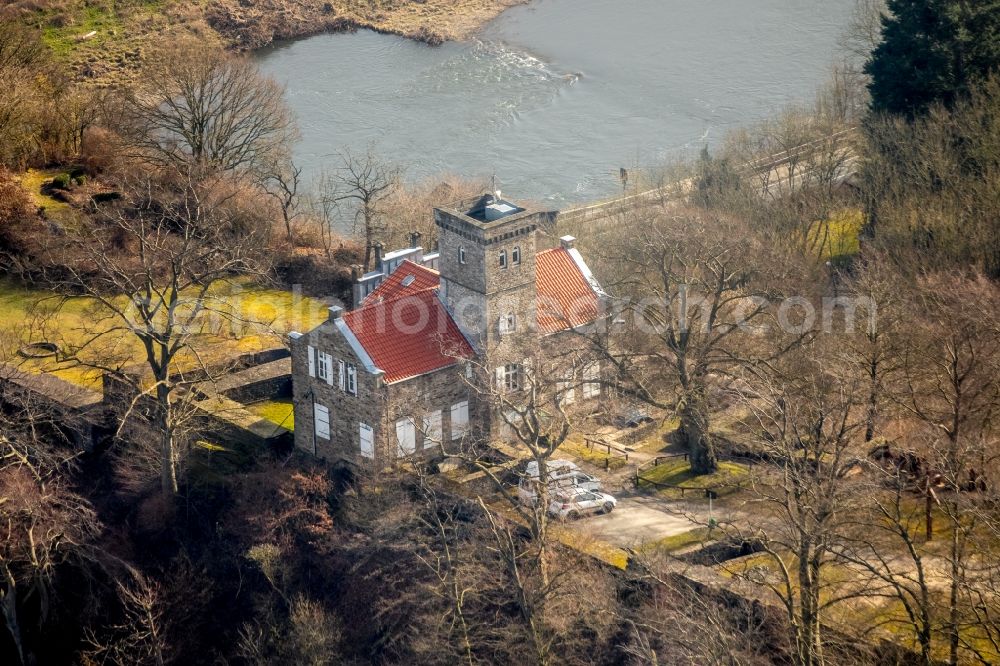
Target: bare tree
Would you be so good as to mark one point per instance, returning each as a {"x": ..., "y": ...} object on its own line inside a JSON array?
[
  {"x": 139, "y": 638},
  {"x": 805, "y": 421},
  {"x": 952, "y": 388},
  {"x": 199, "y": 106},
  {"x": 282, "y": 184},
  {"x": 363, "y": 183},
  {"x": 154, "y": 273},
  {"x": 46, "y": 526},
  {"x": 695, "y": 290}
]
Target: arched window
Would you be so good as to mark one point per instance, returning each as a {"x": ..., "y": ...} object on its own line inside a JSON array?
[
  {"x": 515, "y": 256},
  {"x": 503, "y": 258}
]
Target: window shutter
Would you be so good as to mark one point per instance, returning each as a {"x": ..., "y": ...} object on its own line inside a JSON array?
[
  {"x": 328, "y": 362},
  {"x": 432, "y": 428},
  {"x": 499, "y": 374},
  {"x": 312, "y": 360},
  {"x": 459, "y": 419},
  {"x": 321, "y": 416},
  {"x": 406, "y": 436},
  {"x": 367, "y": 435},
  {"x": 340, "y": 375}
]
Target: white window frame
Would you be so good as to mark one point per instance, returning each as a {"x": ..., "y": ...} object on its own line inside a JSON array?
[
  {"x": 508, "y": 323},
  {"x": 324, "y": 369},
  {"x": 459, "y": 419},
  {"x": 503, "y": 260},
  {"x": 461, "y": 255},
  {"x": 321, "y": 420},
  {"x": 340, "y": 374},
  {"x": 366, "y": 434},
  {"x": 406, "y": 437},
  {"x": 512, "y": 376},
  {"x": 515, "y": 256},
  {"x": 352, "y": 379}
]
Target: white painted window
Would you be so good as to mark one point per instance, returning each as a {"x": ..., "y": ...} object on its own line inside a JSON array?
[
  {"x": 591, "y": 381},
  {"x": 367, "y": 441},
  {"x": 515, "y": 256},
  {"x": 321, "y": 416},
  {"x": 459, "y": 419},
  {"x": 325, "y": 367},
  {"x": 432, "y": 428},
  {"x": 352, "y": 379},
  {"x": 461, "y": 255},
  {"x": 503, "y": 258},
  {"x": 340, "y": 374},
  {"x": 508, "y": 323},
  {"x": 512, "y": 376},
  {"x": 311, "y": 351},
  {"x": 406, "y": 437}
]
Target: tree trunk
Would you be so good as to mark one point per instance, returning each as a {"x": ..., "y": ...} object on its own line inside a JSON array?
[
  {"x": 168, "y": 449},
  {"x": 694, "y": 435},
  {"x": 8, "y": 605}
]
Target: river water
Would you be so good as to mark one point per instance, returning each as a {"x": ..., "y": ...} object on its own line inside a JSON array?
[{"x": 552, "y": 98}]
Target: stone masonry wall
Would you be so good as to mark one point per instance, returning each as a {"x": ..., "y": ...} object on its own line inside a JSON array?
[{"x": 347, "y": 411}]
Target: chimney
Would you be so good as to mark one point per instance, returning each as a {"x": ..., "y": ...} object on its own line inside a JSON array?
[
  {"x": 378, "y": 255},
  {"x": 415, "y": 239},
  {"x": 336, "y": 312},
  {"x": 567, "y": 242}
]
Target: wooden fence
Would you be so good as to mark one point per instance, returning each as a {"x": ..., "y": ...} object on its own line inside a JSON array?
[{"x": 711, "y": 493}]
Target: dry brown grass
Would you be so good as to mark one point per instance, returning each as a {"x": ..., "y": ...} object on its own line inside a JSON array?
[{"x": 124, "y": 31}]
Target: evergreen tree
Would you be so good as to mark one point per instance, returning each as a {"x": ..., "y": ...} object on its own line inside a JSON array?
[{"x": 932, "y": 50}]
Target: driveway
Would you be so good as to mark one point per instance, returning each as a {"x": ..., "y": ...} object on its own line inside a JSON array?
[{"x": 635, "y": 521}]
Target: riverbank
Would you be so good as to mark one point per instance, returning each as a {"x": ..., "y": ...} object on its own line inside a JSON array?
[{"x": 104, "y": 40}]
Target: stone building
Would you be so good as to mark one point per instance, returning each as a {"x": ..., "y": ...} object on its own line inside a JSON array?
[{"x": 396, "y": 375}]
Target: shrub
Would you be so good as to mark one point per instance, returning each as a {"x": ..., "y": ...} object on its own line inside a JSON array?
[
  {"x": 62, "y": 181},
  {"x": 80, "y": 180}
]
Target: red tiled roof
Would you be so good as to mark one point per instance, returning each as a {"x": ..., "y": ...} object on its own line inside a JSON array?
[
  {"x": 565, "y": 297},
  {"x": 408, "y": 335},
  {"x": 407, "y": 331},
  {"x": 392, "y": 286}
]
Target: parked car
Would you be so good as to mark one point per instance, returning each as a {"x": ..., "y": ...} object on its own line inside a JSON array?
[
  {"x": 562, "y": 474},
  {"x": 632, "y": 418},
  {"x": 572, "y": 504}
]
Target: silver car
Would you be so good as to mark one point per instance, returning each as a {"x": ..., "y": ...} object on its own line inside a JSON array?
[{"x": 572, "y": 504}]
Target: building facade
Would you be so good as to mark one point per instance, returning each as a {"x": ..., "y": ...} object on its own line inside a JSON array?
[{"x": 396, "y": 376}]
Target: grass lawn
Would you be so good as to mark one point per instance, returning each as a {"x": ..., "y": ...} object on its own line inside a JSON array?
[
  {"x": 836, "y": 238},
  {"x": 677, "y": 472},
  {"x": 699, "y": 536},
  {"x": 279, "y": 412},
  {"x": 58, "y": 211},
  {"x": 78, "y": 326},
  {"x": 596, "y": 456}
]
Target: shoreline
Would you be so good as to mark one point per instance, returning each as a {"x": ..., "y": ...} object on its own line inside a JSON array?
[{"x": 105, "y": 47}]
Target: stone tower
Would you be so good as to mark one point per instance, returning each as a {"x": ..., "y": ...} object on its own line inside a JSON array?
[{"x": 487, "y": 264}]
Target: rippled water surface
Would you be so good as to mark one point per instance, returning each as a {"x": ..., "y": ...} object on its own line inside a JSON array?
[{"x": 553, "y": 97}]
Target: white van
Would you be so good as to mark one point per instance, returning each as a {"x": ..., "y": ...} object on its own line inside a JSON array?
[{"x": 562, "y": 475}]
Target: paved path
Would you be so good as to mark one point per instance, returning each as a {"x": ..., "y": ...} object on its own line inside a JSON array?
[{"x": 635, "y": 521}]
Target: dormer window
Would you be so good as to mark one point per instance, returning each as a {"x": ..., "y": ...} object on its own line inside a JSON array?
[
  {"x": 503, "y": 258},
  {"x": 515, "y": 256},
  {"x": 461, "y": 255}
]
